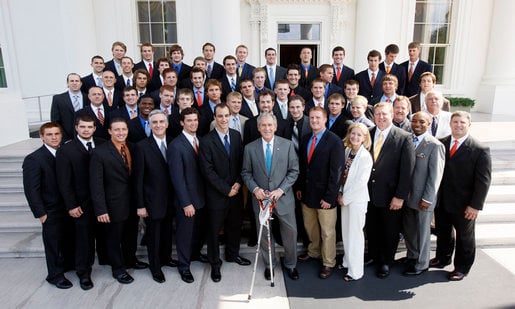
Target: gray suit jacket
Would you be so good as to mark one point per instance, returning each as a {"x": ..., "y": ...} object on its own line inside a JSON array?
[
  {"x": 285, "y": 169},
  {"x": 429, "y": 165}
]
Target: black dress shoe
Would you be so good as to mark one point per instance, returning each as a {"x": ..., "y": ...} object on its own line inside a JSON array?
[
  {"x": 86, "y": 283},
  {"x": 326, "y": 272},
  {"x": 186, "y": 276},
  {"x": 158, "y": 277},
  {"x": 216, "y": 275},
  {"x": 456, "y": 276},
  {"x": 293, "y": 273},
  {"x": 383, "y": 271},
  {"x": 412, "y": 271},
  {"x": 124, "y": 278},
  {"x": 171, "y": 263},
  {"x": 239, "y": 260},
  {"x": 437, "y": 263},
  {"x": 202, "y": 258},
  {"x": 61, "y": 282},
  {"x": 306, "y": 257},
  {"x": 268, "y": 275},
  {"x": 138, "y": 265}
]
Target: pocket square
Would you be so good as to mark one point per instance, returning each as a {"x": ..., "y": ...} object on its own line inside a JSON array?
[{"x": 421, "y": 155}]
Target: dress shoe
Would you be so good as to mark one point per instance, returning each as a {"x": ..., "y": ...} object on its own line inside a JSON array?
[
  {"x": 412, "y": 271},
  {"x": 268, "y": 275},
  {"x": 158, "y": 276},
  {"x": 61, "y": 282},
  {"x": 292, "y": 273},
  {"x": 406, "y": 261},
  {"x": 202, "y": 258},
  {"x": 138, "y": 265},
  {"x": 124, "y": 278},
  {"x": 436, "y": 263},
  {"x": 216, "y": 275},
  {"x": 348, "y": 278},
  {"x": 239, "y": 260},
  {"x": 456, "y": 276},
  {"x": 171, "y": 263},
  {"x": 186, "y": 276},
  {"x": 86, "y": 283},
  {"x": 306, "y": 257},
  {"x": 326, "y": 272},
  {"x": 383, "y": 271}
]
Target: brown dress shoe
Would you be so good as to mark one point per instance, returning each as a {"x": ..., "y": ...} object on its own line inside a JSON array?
[{"x": 326, "y": 272}]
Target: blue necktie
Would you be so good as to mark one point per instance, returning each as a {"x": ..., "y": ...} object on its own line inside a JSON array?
[
  {"x": 272, "y": 78},
  {"x": 233, "y": 84},
  {"x": 415, "y": 140},
  {"x": 268, "y": 158},
  {"x": 147, "y": 128},
  {"x": 226, "y": 144}
]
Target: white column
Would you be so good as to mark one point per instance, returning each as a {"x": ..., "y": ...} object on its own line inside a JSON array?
[
  {"x": 497, "y": 89},
  {"x": 225, "y": 27},
  {"x": 370, "y": 30}
]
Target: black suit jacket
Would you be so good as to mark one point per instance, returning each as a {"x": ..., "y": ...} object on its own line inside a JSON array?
[
  {"x": 174, "y": 123},
  {"x": 184, "y": 73},
  {"x": 245, "y": 109},
  {"x": 40, "y": 183},
  {"x": 101, "y": 130},
  {"x": 466, "y": 177},
  {"x": 346, "y": 74},
  {"x": 303, "y": 92},
  {"x": 340, "y": 125},
  {"x": 398, "y": 71},
  {"x": 110, "y": 66},
  {"x": 280, "y": 73},
  {"x": 220, "y": 170},
  {"x": 373, "y": 94},
  {"x": 121, "y": 82},
  {"x": 88, "y": 81},
  {"x": 63, "y": 113},
  {"x": 152, "y": 183},
  {"x": 321, "y": 178},
  {"x": 312, "y": 74},
  {"x": 111, "y": 182},
  {"x": 136, "y": 130},
  {"x": 251, "y": 133},
  {"x": 391, "y": 172},
  {"x": 120, "y": 113},
  {"x": 217, "y": 72},
  {"x": 184, "y": 168},
  {"x": 226, "y": 86},
  {"x": 333, "y": 89},
  {"x": 246, "y": 72},
  {"x": 72, "y": 168},
  {"x": 117, "y": 100},
  {"x": 413, "y": 85}
]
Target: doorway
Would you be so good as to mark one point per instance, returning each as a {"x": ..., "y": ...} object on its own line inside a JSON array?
[{"x": 289, "y": 53}]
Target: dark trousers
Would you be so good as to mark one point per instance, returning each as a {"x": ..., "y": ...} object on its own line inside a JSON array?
[
  {"x": 159, "y": 242},
  {"x": 84, "y": 243},
  {"x": 190, "y": 237},
  {"x": 230, "y": 219},
  {"x": 113, "y": 238},
  {"x": 53, "y": 242},
  {"x": 465, "y": 239},
  {"x": 383, "y": 227},
  {"x": 130, "y": 238}
]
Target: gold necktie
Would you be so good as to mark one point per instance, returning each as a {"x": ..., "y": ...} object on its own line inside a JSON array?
[{"x": 378, "y": 146}]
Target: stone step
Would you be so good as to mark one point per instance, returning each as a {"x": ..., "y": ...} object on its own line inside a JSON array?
[
  {"x": 19, "y": 221},
  {"x": 501, "y": 194},
  {"x": 13, "y": 202}
]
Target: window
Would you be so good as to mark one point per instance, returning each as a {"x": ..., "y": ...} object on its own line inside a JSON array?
[
  {"x": 157, "y": 22},
  {"x": 3, "y": 80},
  {"x": 432, "y": 29}
]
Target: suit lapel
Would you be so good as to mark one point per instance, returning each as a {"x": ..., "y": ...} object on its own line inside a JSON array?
[
  {"x": 156, "y": 148},
  {"x": 259, "y": 153},
  {"x": 114, "y": 152},
  {"x": 218, "y": 142}
]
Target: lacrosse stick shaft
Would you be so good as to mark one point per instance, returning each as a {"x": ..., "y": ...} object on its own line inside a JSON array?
[{"x": 255, "y": 262}]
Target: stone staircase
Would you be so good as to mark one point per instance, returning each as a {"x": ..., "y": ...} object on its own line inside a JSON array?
[{"x": 20, "y": 232}]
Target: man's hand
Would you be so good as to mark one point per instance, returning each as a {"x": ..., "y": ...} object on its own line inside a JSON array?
[
  {"x": 75, "y": 212},
  {"x": 142, "y": 212},
  {"x": 276, "y": 194},
  {"x": 339, "y": 199},
  {"x": 104, "y": 218},
  {"x": 471, "y": 213},
  {"x": 324, "y": 204},
  {"x": 396, "y": 203},
  {"x": 42, "y": 219},
  {"x": 259, "y": 193},
  {"x": 423, "y": 205},
  {"x": 189, "y": 211}
]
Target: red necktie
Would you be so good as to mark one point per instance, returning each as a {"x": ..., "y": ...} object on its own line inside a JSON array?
[
  {"x": 312, "y": 148},
  {"x": 150, "y": 69},
  {"x": 100, "y": 116},
  {"x": 338, "y": 73},
  {"x": 167, "y": 112},
  {"x": 195, "y": 145},
  {"x": 453, "y": 148},
  {"x": 410, "y": 72},
  {"x": 292, "y": 93},
  {"x": 373, "y": 80},
  {"x": 199, "y": 99}
]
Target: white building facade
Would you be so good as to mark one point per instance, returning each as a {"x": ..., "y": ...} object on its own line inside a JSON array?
[{"x": 469, "y": 42}]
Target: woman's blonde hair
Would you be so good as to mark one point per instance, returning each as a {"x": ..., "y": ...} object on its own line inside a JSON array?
[{"x": 364, "y": 130}]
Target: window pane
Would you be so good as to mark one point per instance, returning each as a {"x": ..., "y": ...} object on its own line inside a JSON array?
[
  {"x": 296, "y": 32},
  {"x": 160, "y": 52},
  {"x": 443, "y": 33},
  {"x": 143, "y": 12},
  {"x": 157, "y": 33},
  {"x": 420, "y": 12},
  {"x": 438, "y": 71},
  {"x": 3, "y": 80},
  {"x": 156, "y": 12},
  {"x": 144, "y": 33},
  {"x": 169, "y": 12},
  {"x": 171, "y": 33},
  {"x": 418, "y": 33},
  {"x": 439, "y": 56}
]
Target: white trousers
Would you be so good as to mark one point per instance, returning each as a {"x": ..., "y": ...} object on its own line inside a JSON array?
[{"x": 353, "y": 221}]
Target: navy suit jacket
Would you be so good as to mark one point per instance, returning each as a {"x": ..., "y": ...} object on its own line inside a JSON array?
[
  {"x": 373, "y": 94},
  {"x": 136, "y": 130},
  {"x": 217, "y": 72},
  {"x": 280, "y": 73},
  {"x": 346, "y": 74},
  {"x": 320, "y": 179},
  {"x": 246, "y": 71},
  {"x": 184, "y": 168},
  {"x": 110, "y": 66},
  {"x": 413, "y": 85},
  {"x": 88, "y": 81},
  {"x": 312, "y": 74},
  {"x": 63, "y": 113},
  {"x": 398, "y": 71}
]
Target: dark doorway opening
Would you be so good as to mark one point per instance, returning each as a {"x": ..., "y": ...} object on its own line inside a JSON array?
[{"x": 289, "y": 53}]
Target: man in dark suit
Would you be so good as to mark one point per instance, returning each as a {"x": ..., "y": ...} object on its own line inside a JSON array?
[
  {"x": 176, "y": 57},
  {"x": 198, "y": 81},
  {"x": 72, "y": 169},
  {"x": 65, "y": 105},
  {"x": 465, "y": 183},
  {"x": 413, "y": 68},
  {"x": 113, "y": 98},
  {"x": 213, "y": 69},
  {"x": 293, "y": 74},
  {"x": 418, "y": 211},
  {"x": 95, "y": 78},
  {"x": 390, "y": 67},
  {"x": 401, "y": 108},
  {"x": 317, "y": 96},
  {"x": 370, "y": 80},
  {"x": 214, "y": 93},
  {"x": 45, "y": 202},
  {"x": 184, "y": 168},
  {"x": 139, "y": 127},
  {"x": 114, "y": 65},
  {"x": 270, "y": 168},
  {"x": 389, "y": 185},
  {"x": 148, "y": 64},
  {"x": 338, "y": 123},
  {"x": 184, "y": 100},
  {"x": 231, "y": 80},
  {"x": 249, "y": 106},
  {"x": 98, "y": 111},
  {"x": 266, "y": 104},
  {"x": 274, "y": 72},
  {"x": 341, "y": 72},
  {"x": 281, "y": 99},
  {"x": 326, "y": 74},
  {"x": 244, "y": 70},
  {"x": 221, "y": 154},
  {"x": 129, "y": 109},
  {"x": 308, "y": 71},
  {"x": 427, "y": 84},
  {"x": 126, "y": 78},
  {"x": 321, "y": 160},
  {"x": 154, "y": 199},
  {"x": 111, "y": 192}
]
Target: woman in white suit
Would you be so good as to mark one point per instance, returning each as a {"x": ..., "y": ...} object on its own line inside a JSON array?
[{"x": 353, "y": 198}]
